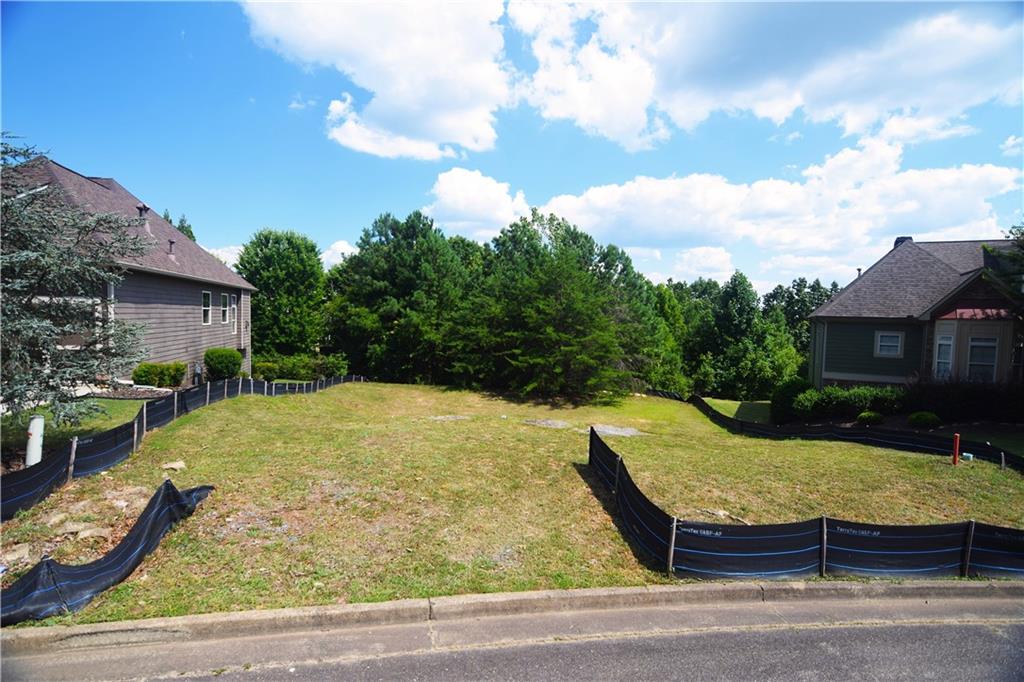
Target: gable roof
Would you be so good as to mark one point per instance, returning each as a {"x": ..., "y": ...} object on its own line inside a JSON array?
[
  {"x": 106, "y": 195},
  {"x": 910, "y": 280}
]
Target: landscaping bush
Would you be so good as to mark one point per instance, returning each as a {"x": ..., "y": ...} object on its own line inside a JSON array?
[
  {"x": 833, "y": 402},
  {"x": 265, "y": 368},
  {"x": 782, "y": 410},
  {"x": 335, "y": 365},
  {"x": 222, "y": 363},
  {"x": 956, "y": 401},
  {"x": 869, "y": 417},
  {"x": 924, "y": 420},
  {"x": 299, "y": 367},
  {"x": 162, "y": 375}
]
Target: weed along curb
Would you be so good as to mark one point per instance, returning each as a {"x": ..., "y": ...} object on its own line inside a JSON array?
[{"x": 214, "y": 626}]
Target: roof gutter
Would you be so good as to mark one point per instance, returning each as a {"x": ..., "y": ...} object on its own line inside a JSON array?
[{"x": 167, "y": 273}]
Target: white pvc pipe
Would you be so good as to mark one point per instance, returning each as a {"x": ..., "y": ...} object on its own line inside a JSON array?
[{"x": 34, "y": 449}]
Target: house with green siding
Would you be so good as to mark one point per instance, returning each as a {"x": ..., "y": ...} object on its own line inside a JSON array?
[{"x": 922, "y": 312}]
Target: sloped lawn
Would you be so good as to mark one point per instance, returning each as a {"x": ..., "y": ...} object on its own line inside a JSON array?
[{"x": 370, "y": 492}]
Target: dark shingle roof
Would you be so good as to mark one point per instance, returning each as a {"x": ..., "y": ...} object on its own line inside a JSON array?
[
  {"x": 909, "y": 280},
  {"x": 106, "y": 195}
]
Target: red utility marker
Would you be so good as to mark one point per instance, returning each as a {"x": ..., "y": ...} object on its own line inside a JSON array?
[{"x": 956, "y": 449}]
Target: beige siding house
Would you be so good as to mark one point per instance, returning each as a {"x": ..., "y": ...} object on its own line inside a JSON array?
[{"x": 187, "y": 299}]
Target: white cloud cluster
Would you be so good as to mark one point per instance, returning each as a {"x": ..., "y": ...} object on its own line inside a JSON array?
[
  {"x": 434, "y": 70},
  {"x": 226, "y": 254},
  {"x": 337, "y": 252},
  {"x": 1012, "y": 146},
  {"x": 474, "y": 205},
  {"x": 640, "y": 66},
  {"x": 841, "y": 214}
]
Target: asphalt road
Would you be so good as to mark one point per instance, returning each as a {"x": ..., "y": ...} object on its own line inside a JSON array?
[
  {"x": 837, "y": 639},
  {"x": 897, "y": 652}
]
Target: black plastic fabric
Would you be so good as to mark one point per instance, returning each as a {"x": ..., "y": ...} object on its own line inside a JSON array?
[
  {"x": 104, "y": 450},
  {"x": 933, "y": 444},
  {"x": 51, "y": 587},
  {"x": 782, "y": 550},
  {"x": 996, "y": 552},
  {"x": 867, "y": 549},
  {"x": 820, "y": 546},
  {"x": 23, "y": 489}
]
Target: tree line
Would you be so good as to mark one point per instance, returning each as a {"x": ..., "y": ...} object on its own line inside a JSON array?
[{"x": 542, "y": 311}]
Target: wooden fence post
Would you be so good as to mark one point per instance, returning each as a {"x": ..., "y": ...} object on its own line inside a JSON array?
[
  {"x": 618, "y": 466},
  {"x": 672, "y": 548},
  {"x": 71, "y": 463},
  {"x": 175, "y": 405},
  {"x": 225, "y": 388},
  {"x": 135, "y": 434},
  {"x": 207, "y": 393},
  {"x": 144, "y": 412}
]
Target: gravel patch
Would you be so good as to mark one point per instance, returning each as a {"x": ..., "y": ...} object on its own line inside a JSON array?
[
  {"x": 608, "y": 430},
  {"x": 547, "y": 423},
  {"x": 448, "y": 418}
]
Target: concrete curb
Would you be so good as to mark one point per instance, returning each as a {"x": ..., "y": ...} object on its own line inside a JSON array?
[{"x": 29, "y": 641}]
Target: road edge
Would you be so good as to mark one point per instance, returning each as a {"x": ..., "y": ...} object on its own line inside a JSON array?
[{"x": 40, "y": 640}]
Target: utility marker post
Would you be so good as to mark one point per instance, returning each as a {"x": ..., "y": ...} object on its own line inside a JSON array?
[
  {"x": 956, "y": 449},
  {"x": 34, "y": 448}
]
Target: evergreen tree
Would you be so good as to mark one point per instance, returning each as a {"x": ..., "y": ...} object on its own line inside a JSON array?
[
  {"x": 57, "y": 264},
  {"x": 183, "y": 226},
  {"x": 287, "y": 306}
]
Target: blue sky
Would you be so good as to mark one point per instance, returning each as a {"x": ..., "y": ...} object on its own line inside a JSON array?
[{"x": 783, "y": 140}]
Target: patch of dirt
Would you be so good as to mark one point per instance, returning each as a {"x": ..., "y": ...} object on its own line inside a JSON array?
[
  {"x": 625, "y": 431},
  {"x": 547, "y": 423}
]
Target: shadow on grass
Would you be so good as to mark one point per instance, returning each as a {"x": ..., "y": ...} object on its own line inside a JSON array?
[
  {"x": 604, "y": 496},
  {"x": 758, "y": 412}
]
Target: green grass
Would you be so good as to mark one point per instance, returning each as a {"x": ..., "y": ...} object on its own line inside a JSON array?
[
  {"x": 355, "y": 494},
  {"x": 57, "y": 436},
  {"x": 1010, "y": 437},
  {"x": 758, "y": 411}
]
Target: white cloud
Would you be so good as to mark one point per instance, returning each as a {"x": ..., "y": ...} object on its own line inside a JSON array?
[
  {"x": 346, "y": 128},
  {"x": 227, "y": 254},
  {"x": 336, "y": 252},
  {"x": 299, "y": 102},
  {"x": 643, "y": 252},
  {"x": 900, "y": 128},
  {"x": 710, "y": 262},
  {"x": 435, "y": 70},
  {"x": 848, "y": 201},
  {"x": 623, "y": 70},
  {"x": 472, "y": 204},
  {"x": 787, "y": 267},
  {"x": 1012, "y": 145}
]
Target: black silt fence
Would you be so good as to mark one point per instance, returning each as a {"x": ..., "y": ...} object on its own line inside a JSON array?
[
  {"x": 928, "y": 443},
  {"x": 51, "y": 587},
  {"x": 86, "y": 456},
  {"x": 822, "y": 546}
]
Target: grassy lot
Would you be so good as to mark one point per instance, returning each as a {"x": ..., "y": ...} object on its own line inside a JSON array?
[
  {"x": 361, "y": 493},
  {"x": 758, "y": 411},
  {"x": 57, "y": 437}
]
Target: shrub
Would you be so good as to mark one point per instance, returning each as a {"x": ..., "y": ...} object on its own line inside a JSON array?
[
  {"x": 222, "y": 363},
  {"x": 163, "y": 375},
  {"x": 265, "y": 369},
  {"x": 335, "y": 365},
  {"x": 782, "y": 410},
  {"x": 924, "y": 420},
  {"x": 839, "y": 402},
  {"x": 296, "y": 367},
  {"x": 869, "y": 417}
]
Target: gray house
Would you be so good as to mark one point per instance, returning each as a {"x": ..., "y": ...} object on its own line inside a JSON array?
[
  {"x": 188, "y": 299},
  {"x": 923, "y": 311}
]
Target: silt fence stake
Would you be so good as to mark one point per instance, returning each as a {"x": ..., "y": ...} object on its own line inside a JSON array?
[
  {"x": 71, "y": 462},
  {"x": 966, "y": 566},
  {"x": 225, "y": 388},
  {"x": 144, "y": 412},
  {"x": 135, "y": 434},
  {"x": 824, "y": 547},
  {"x": 207, "y": 393},
  {"x": 1002, "y": 460},
  {"x": 672, "y": 548},
  {"x": 618, "y": 466},
  {"x": 175, "y": 405}
]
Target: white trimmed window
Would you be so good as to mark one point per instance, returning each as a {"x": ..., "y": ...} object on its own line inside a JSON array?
[
  {"x": 207, "y": 300},
  {"x": 888, "y": 344},
  {"x": 943, "y": 356},
  {"x": 223, "y": 308},
  {"x": 234, "y": 313},
  {"x": 981, "y": 358}
]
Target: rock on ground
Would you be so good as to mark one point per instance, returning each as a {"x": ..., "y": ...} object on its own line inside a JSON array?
[{"x": 608, "y": 430}]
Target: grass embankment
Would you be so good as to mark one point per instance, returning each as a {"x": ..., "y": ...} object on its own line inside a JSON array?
[
  {"x": 757, "y": 411},
  {"x": 56, "y": 437},
  {"x": 359, "y": 493}
]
